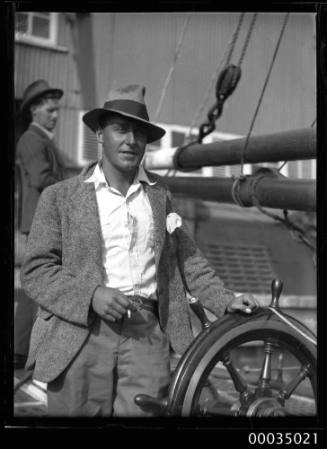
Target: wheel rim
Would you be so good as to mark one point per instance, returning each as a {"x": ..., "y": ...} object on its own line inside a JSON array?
[{"x": 260, "y": 373}]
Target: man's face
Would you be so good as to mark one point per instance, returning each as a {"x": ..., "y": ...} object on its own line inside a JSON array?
[
  {"x": 46, "y": 113},
  {"x": 124, "y": 142}
]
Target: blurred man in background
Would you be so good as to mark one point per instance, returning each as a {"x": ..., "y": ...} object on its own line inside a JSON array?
[{"x": 37, "y": 166}]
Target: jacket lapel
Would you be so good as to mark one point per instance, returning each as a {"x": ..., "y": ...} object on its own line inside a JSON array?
[
  {"x": 84, "y": 212},
  {"x": 157, "y": 199}
]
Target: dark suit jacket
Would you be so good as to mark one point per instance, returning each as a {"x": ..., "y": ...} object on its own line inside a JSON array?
[
  {"x": 37, "y": 168},
  {"x": 63, "y": 267}
]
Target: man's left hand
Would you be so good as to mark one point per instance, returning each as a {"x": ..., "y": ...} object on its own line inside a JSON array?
[{"x": 244, "y": 303}]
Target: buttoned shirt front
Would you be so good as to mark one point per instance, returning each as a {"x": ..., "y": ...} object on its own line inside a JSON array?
[{"x": 127, "y": 235}]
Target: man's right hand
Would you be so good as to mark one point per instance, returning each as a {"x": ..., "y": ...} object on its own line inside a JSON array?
[{"x": 110, "y": 303}]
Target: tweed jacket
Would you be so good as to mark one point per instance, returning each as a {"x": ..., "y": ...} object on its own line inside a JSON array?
[
  {"x": 38, "y": 167},
  {"x": 63, "y": 267}
]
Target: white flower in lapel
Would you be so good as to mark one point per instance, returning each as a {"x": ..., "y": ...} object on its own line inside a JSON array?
[{"x": 173, "y": 221}]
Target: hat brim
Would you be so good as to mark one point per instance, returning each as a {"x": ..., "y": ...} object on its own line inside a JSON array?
[
  {"x": 33, "y": 98},
  {"x": 91, "y": 119}
]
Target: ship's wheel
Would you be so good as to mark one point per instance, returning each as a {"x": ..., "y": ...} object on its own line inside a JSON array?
[{"x": 257, "y": 366}]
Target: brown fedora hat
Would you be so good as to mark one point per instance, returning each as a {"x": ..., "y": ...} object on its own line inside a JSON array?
[
  {"x": 36, "y": 90},
  {"x": 129, "y": 102}
]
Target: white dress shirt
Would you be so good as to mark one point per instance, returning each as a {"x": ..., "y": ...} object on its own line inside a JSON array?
[{"x": 127, "y": 235}]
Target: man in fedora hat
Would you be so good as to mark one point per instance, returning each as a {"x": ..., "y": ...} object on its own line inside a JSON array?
[
  {"x": 109, "y": 262},
  {"x": 37, "y": 167}
]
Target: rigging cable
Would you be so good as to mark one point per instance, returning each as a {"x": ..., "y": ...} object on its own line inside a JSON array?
[
  {"x": 241, "y": 177},
  {"x": 226, "y": 84},
  {"x": 285, "y": 162},
  {"x": 171, "y": 71},
  {"x": 172, "y": 68},
  {"x": 229, "y": 51},
  {"x": 263, "y": 91},
  {"x": 236, "y": 185},
  {"x": 247, "y": 38},
  {"x": 289, "y": 323}
]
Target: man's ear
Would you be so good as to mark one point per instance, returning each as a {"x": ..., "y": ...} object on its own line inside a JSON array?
[
  {"x": 99, "y": 135},
  {"x": 33, "y": 108}
]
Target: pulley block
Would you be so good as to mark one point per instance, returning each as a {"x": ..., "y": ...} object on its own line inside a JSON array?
[{"x": 227, "y": 81}]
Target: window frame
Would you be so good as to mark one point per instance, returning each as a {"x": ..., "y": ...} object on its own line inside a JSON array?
[
  {"x": 29, "y": 38},
  {"x": 167, "y": 142},
  {"x": 85, "y": 137}
]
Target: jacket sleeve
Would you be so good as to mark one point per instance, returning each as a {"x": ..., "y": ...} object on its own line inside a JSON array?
[
  {"x": 37, "y": 165},
  {"x": 45, "y": 280},
  {"x": 199, "y": 277}
]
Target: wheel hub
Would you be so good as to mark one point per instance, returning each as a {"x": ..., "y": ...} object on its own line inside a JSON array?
[{"x": 266, "y": 406}]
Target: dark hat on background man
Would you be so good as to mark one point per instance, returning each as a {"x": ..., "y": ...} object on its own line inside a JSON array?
[
  {"x": 37, "y": 90},
  {"x": 127, "y": 101}
]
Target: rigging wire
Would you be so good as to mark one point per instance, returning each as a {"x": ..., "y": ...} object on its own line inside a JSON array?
[
  {"x": 285, "y": 162},
  {"x": 228, "y": 54},
  {"x": 218, "y": 107},
  {"x": 236, "y": 33},
  {"x": 291, "y": 226},
  {"x": 171, "y": 71},
  {"x": 293, "y": 326},
  {"x": 263, "y": 91},
  {"x": 247, "y": 38},
  {"x": 173, "y": 66},
  {"x": 235, "y": 189}
]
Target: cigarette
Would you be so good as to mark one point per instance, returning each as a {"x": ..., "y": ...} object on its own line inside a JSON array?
[{"x": 129, "y": 313}]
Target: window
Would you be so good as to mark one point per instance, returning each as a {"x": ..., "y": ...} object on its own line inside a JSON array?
[
  {"x": 177, "y": 135},
  {"x": 37, "y": 27},
  {"x": 153, "y": 146},
  {"x": 305, "y": 169},
  {"x": 177, "y": 138},
  {"x": 88, "y": 149}
]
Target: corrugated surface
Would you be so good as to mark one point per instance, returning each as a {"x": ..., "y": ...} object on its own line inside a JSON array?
[
  {"x": 57, "y": 67},
  {"x": 242, "y": 267},
  {"x": 67, "y": 134},
  {"x": 290, "y": 260}
]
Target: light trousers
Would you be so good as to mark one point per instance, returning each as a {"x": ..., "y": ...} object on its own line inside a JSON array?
[{"x": 118, "y": 361}]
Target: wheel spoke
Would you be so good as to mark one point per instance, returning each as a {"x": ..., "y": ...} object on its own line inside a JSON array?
[
  {"x": 280, "y": 367},
  {"x": 240, "y": 386},
  {"x": 286, "y": 392},
  {"x": 265, "y": 375},
  {"x": 213, "y": 391}
]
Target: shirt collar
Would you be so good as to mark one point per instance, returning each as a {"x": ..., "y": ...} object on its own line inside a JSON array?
[
  {"x": 98, "y": 177},
  {"x": 46, "y": 132},
  {"x": 142, "y": 176}
]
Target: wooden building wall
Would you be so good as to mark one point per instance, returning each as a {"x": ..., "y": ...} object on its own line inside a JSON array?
[{"x": 61, "y": 67}]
